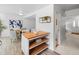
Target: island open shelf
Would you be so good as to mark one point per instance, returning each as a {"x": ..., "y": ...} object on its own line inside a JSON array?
[
  {"x": 34, "y": 43},
  {"x": 38, "y": 49}
]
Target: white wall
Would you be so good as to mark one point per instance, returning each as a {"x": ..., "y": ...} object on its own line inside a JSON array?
[
  {"x": 59, "y": 14},
  {"x": 48, "y": 27},
  {"x": 72, "y": 15},
  {"x": 72, "y": 12},
  {"x": 29, "y": 23},
  {"x": 69, "y": 24}
]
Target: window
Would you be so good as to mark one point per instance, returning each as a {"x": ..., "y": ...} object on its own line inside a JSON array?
[{"x": 74, "y": 23}]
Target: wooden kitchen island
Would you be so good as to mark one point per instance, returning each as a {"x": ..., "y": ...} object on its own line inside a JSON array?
[{"x": 34, "y": 43}]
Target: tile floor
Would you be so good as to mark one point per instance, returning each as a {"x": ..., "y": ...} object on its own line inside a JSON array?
[
  {"x": 70, "y": 46},
  {"x": 49, "y": 52},
  {"x": 10, "y": 47}
]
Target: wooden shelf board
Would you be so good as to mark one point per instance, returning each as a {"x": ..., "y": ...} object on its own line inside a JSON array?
[
  {"x": 31, "y": 35},
  {"x": 35, "y": 44},
  {"x": 76, "y": 33},
  {"x": 38, "y": 49},
  {"x": 38, "y": 37}
]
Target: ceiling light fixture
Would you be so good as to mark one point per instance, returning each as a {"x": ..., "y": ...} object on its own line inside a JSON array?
[{"x": 21, "y": 13}]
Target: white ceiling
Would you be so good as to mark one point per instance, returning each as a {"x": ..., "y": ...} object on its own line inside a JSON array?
[
  {"x": 67, "y": 6},
  {"x": 33, "y": 17},
  {"x": 16, "y": 8}
]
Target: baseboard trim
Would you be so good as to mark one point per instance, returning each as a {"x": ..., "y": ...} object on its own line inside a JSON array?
[{"x": 57, "y": 53}]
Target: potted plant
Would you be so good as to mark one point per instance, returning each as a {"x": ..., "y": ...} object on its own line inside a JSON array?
[{"x": 2, "y": 27}]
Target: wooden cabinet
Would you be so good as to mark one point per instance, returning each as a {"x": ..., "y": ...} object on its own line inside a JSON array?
[{"x": 30, "y": 45}]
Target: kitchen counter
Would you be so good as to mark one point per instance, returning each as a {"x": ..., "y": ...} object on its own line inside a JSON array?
[
  {"x": 30, "y": 35},
  {"x": 29, "y": 44}
]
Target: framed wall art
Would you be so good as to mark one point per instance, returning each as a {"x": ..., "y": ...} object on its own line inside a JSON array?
[{"x": 45, "y": 19}]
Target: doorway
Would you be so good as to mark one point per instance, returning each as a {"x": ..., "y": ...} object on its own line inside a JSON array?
[{"x": 69, "y": 37}]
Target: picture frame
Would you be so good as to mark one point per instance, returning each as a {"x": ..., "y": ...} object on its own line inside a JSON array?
[{"x": 45, "y": 19}]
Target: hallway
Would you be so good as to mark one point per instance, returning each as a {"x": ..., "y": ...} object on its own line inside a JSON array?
[{"x": 70, "y": 46}]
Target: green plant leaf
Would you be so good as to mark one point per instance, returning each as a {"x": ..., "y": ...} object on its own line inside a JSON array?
[{"x": 1, "y": 26}]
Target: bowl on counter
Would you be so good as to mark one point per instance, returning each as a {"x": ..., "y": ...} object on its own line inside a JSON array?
[{"x": 38, "y": 40}]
